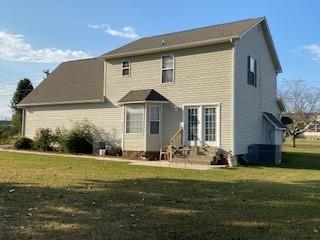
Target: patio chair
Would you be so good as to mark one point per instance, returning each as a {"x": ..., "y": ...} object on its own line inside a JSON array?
[{"x": 164, "y": 152}]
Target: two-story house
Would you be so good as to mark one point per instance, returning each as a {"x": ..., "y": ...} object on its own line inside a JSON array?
[{"x": 218, "y": 83}]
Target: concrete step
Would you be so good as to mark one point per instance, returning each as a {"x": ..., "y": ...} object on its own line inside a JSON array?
[
  {"x": 199, "y": 155},
  {"x": 201, "y": 160}
]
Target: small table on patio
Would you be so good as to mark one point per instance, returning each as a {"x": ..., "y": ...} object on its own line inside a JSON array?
[{"x": 184, "y": 153}]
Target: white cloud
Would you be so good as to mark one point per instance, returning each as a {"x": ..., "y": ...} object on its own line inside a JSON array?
[
  {"x": 125, "y": 32},
  {"x": 5, "y": 111},
  {"x": 98, "y": 26},
  {"x": 314, "y": 50},
  {"x": 7, "y": 90},
  {"x": 13, "y": 47}
]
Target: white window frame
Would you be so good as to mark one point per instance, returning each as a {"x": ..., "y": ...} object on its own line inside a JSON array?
[
  {"x": 201, "y": 129},
  {"x": 255, "y": 69},
  {"x": 162, "y": 69},
  {"x": 154, "y": 120},
  {"x": 142, "y": 122},
  {"x": 126, "y": 68}
]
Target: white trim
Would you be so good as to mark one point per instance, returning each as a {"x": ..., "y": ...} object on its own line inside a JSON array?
[
  {"x": 60, "y": 103},
  {"x": 269, "y": 40},
  {"x": 104, "y": 78},
  {"x": 201, "y": 104},
  {"x": 143, "y": 123},
  {"x": 139, "y": 102},
  {"x": 163, "y": 69},
  {"x": 149, "y": 120},
  {"x": 126, "y": 68},
  {"x": 252, "y": 27},
  {"x": 233, "y": 92},
  {"x": 23, "y": 127},
  {"x": 175, "y": 47},
  {"x": 217, "y": 143},
  {"x": 123, "y": 117},
  {"x": 161, "y": 122}
]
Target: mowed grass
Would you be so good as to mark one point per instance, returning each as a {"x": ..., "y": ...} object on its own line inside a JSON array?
[{"x": 46, "y": 197}]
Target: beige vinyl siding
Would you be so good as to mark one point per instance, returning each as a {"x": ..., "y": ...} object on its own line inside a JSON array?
[
  {"x": 202, "y": 75},
  {"x": 134, "y": 142},
  {"x": 105, "y": 116},
  {"x": 250, "y": 102}
]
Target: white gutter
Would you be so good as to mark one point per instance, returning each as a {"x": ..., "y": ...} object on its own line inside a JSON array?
[
  {"x": 137, "y": 102},
  {"x": 174, "y": 47},
  {"x": 60, "y": 103}
]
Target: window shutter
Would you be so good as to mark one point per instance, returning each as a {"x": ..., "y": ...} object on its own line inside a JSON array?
[
  {"x": 255, "y": 73},
  {"x": 248, "y": 71}
]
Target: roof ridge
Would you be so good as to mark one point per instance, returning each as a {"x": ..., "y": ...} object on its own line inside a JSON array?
[
  {"x": 82, "y": 59},
  {"x": 208, "y": 26}
]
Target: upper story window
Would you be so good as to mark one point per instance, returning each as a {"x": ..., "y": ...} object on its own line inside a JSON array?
[
  {"x": 252, "y": 71},
  {"x": 167, "y": 69},
  {"x": 126, "y": 68}
]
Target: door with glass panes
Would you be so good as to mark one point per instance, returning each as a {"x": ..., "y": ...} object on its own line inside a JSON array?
[{"x": 200, "y": 125}]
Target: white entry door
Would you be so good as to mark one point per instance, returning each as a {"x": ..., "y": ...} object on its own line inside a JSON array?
[{"x": 201, "y": 125}]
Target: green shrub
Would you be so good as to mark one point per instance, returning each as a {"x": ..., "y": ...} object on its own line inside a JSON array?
[
  {"x": 23, "y": 143},
  {"x": 79, "y": 139},
  {"x": 44, "y": 140},
  {"x": 60, "y": 140}
]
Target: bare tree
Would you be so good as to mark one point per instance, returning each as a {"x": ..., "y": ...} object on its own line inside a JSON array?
[{"x": 302, "y": 102}]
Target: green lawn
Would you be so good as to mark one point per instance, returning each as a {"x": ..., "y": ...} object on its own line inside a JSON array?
[{"x": 44, "y": 197}]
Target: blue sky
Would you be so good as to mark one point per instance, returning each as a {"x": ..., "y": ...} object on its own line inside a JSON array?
[{"x": 37, "y": 35}]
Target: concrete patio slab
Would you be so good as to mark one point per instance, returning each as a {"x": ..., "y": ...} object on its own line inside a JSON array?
[{"x": 161, "y": 163}]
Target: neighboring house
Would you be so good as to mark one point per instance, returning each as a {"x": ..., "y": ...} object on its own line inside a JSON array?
[
  {"x": 219, "y": 83},
  {"x": 313, "y": 129},
  {"x": 5, "y": 123}
]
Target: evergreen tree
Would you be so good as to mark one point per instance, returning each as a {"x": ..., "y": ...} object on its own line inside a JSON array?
[{"x": 23, "y": 89}]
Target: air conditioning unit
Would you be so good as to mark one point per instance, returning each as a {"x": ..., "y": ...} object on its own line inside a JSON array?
[{"x": 264, "y": 154}]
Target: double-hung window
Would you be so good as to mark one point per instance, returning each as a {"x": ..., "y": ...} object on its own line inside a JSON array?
[
  {"x": 154, "y": 120},
  {"x": 167, "y": 69},
  {"x": 252, "y": 71},
  {"x": 126, "y": 68},
  {"x": 134, "y": 119}
]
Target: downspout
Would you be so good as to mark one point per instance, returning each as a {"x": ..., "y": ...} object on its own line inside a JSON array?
[
  {"x": 23, "y": 123},
  {"x": 233, "y": 91}
]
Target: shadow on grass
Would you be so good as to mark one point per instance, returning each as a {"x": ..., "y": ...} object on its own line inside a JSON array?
[
  {"x": 300, "y": 160},
  {"x": 158, "y": 208}
]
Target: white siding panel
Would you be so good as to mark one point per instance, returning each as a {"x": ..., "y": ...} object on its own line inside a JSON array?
[{"x": 251, "y": 102}]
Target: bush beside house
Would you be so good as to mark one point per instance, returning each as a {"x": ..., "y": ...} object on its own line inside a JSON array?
[
  {"x": 44, "y": 140},
  {"x": 24, "y": 143},
  {"x": 79, "y": 139}
]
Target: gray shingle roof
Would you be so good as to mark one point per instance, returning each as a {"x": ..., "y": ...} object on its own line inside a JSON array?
[
  {"x": 142, "y": 95},
  {"x": 74, "y": 81},
  {"x": 274, "y": 121},
  {"x": 227, "y": 30}
]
